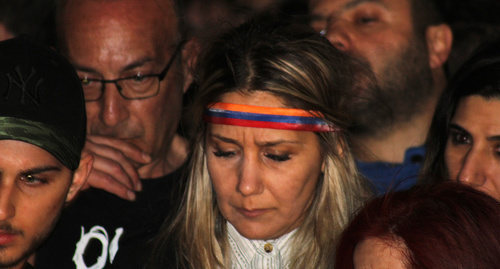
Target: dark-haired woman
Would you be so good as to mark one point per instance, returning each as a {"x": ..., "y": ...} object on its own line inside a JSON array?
[{"x": 464, "y": 140}]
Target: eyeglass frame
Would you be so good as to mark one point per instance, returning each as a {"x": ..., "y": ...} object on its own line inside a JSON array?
[{"x": 160, "y": 77}]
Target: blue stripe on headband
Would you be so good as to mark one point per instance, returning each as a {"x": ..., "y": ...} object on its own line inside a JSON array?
[{"x": 263, "y": 117}]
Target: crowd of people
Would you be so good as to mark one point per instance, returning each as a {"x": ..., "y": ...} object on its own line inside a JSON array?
[{"x": 252, "y": 134}]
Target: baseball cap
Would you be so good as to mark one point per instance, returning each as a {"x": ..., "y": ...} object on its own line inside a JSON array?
[{"x": 41, "y": 100}]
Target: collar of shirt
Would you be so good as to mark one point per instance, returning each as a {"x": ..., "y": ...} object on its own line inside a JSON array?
[{"x": 246, "y": 253}]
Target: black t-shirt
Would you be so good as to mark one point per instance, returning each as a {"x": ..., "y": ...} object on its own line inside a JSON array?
[{"x": 100, "y": 229}]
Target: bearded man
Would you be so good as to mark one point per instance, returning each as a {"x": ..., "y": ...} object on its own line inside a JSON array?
[{"x": 406, "y": 44}]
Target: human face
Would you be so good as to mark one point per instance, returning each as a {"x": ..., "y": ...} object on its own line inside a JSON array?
[
  {"x": 264, "y": 179},
  {"x": 33, "y": 188},
  {"x": 373, "y": 30},
  {"x": 378, "y": 254},
  {"x": 472, "y": 153},
  {"x": 380, "y": 33},
  {"x": 126, "y": 38}
]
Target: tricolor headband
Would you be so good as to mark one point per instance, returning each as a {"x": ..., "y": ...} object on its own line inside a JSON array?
[{"x": 267, "y": 117}]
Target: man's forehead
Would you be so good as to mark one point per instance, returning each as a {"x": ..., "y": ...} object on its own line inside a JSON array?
[
  {"x": 137, "y": 13},
  {"x": 117, "y": 25},
  {"x": 337, "y": 6}
]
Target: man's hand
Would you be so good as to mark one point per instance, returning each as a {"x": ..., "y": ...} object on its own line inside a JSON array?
[{"x": 115, "y": 165}]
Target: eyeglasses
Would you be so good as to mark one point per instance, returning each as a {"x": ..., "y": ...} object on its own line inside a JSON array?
[{"x": 131, "y": 88}]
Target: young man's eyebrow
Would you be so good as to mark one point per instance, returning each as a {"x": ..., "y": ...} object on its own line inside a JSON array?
[{"x": 40, "y": 169}]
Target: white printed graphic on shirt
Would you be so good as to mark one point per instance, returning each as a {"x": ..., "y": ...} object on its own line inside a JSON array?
[{"x": 98, "y": 233}]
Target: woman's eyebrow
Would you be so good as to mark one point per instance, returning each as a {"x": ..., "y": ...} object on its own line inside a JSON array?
[
  {"x": 458, "y": 128},
  {"x": 223, "y": 139},
  {"x": 277, "y": 142}
]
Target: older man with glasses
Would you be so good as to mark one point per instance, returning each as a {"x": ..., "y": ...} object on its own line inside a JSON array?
[{"x": 129, "y": 56}]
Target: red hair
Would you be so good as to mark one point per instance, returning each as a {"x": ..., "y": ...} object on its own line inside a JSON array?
[{"x": 445, "y": 225}]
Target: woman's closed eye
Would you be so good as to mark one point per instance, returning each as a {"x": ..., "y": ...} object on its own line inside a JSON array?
[
  {"x": 224, "y": 154},
  {"x": 277, "y": 157}
]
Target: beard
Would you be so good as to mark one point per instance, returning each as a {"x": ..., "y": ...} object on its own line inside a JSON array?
[
  {"x": 9, "y": 262},
  {"x": 29, "y": 247},
  {"x": 404, "y": 87}
]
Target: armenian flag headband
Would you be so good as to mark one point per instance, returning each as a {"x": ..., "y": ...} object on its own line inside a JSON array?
[{"x": 267, "y": 117}]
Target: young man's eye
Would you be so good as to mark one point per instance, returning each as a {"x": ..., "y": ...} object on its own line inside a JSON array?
[
  {"x": 33, "y": 180},
  {"x": 459, "y": 138},
  {"x": 278, "y": 157}
]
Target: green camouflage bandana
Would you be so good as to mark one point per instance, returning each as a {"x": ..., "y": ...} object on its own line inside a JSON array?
[{"x": 63, "y": 146}]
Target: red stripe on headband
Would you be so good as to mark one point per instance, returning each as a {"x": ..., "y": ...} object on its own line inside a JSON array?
[{"x": 270, "y": 125}]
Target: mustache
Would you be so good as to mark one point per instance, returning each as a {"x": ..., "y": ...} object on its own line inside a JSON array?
[
  {"x": 6, "y": 227},
  {"x": 124, "y": 131}
]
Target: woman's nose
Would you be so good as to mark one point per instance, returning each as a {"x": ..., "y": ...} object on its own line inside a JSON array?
[
  {"x": 475, "y": 166},
  {"x": 250, "y": 177}
]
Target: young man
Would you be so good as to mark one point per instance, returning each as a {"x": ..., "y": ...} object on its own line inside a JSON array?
[
  {"x": 406, "y": 44},
  {"x": 42, "y": 133}
]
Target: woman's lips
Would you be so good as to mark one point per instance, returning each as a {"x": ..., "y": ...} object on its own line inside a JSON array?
[{"x": 252, "y": 213}]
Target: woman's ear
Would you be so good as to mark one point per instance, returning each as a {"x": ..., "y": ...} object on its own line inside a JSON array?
[
  {"x": 439, "y": 41},
  {"x": 80, "y": 176}
]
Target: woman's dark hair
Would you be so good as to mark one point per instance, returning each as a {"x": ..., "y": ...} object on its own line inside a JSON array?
[
  {"x": 442, "y": 225},
  {"x": 479, "y": 76}
]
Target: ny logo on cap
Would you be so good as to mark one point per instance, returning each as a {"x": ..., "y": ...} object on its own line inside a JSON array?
[{"x": 22, "y": 84}]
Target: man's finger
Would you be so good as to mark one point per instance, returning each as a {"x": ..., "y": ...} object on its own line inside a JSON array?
[
  {"x": 131, "y": 151},
  {"x": 112, "y": 161},
  {"x": 105, "y": 182}
]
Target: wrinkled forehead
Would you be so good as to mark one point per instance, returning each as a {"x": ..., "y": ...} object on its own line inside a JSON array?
[
  {"x": 156, "y": 20},
  {"x": 335, "y": 7},
  {"x": 110, "y": 36}
]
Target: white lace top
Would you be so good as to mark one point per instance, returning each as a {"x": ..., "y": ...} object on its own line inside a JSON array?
[{"x": 262, "y": 254}]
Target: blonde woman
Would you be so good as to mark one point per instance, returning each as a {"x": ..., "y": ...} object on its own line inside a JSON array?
[{"x": 272, "y": 181}]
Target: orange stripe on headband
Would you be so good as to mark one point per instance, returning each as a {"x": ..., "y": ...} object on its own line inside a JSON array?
[
  {"x": 266, "y": 110},
  {"x": 267, "y": 117}
]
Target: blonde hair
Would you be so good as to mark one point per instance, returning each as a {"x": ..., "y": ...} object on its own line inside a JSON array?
[{"x": 304, "y": 70}]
